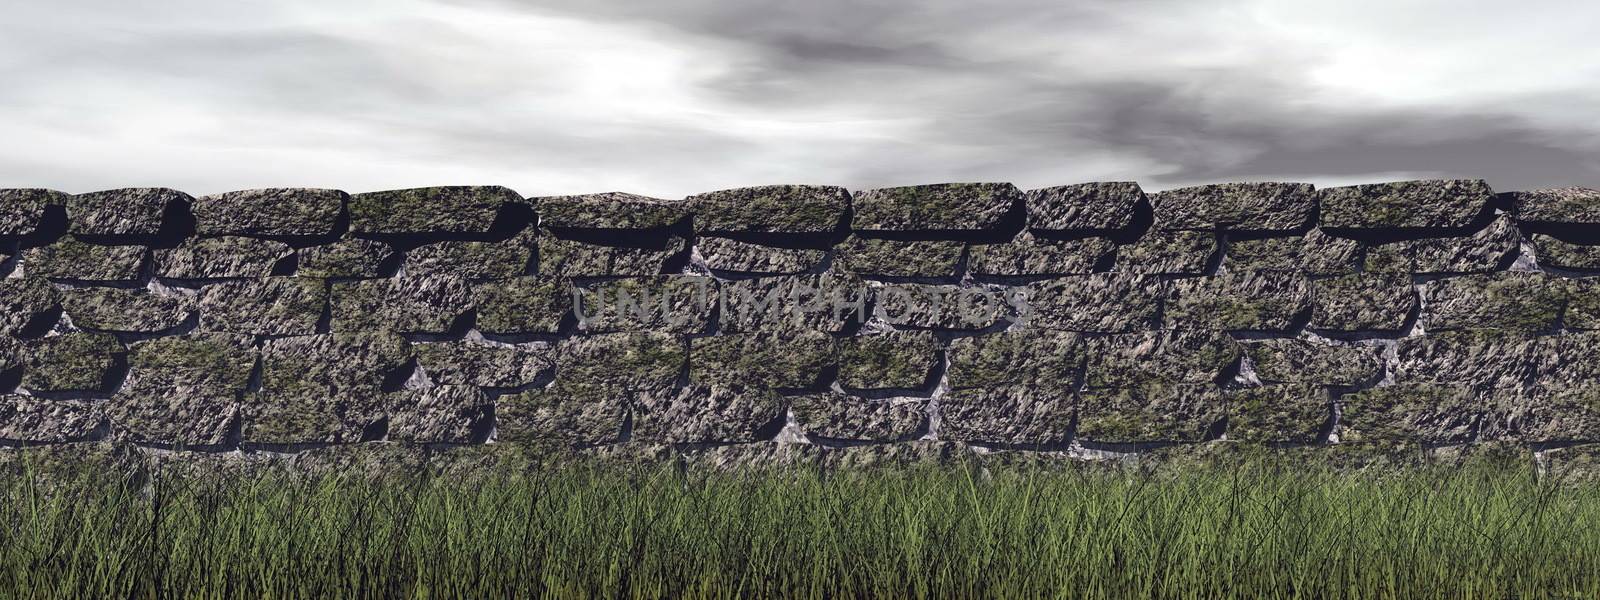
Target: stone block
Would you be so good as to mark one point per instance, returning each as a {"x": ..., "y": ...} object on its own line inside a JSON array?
[
  {"x": 936, "y": 207},
  {"x": 731, "y": 256},
  {"x": 771, "y": 209},
  {"x": 1424, "y": 204},
  {"x": 1178, "y": 356},
  {"x": 47, "y": 421},
  {"x": 1101, "y": 206},
  {"x": 220, "y": 258},
  {"x": 522, "y": 305},
  {"x": 443, "y": 414},
  {"x": 571, "y": 258},
  {"x": 701, "y": 413},
  {"x": 1425, "y": 413},
  {"x": 792, "y": 360},
  {"x": 888, "y": 360},
  {"x": 269, "y": 212},
  {"x": 1365, "y": 302},
  {"x": 1031, "y": 256},
  {"x": 1236, "y": 207},
  {"x": 666, "y": 303},
  {"x": 123, "y": 310},
  {"x": 1151, "y": 413},
  {"x": 125, "y": 211},
  {"x": 1275, "y": 301},
  {"x": 611, "y": 210},
  {"x": 836, "y": 416},
  {"x": 1525, "y": 302},
  {"x": 1012, "y": 415},
  {"x": 1099, "y": 303},
  {"x": 1315, "y": 253},
  {"x": 1292, "y": 360},
  {"x": 71, "y": 259},
  {"x": 412, "y": 304},
  {"x": 872, "y": 257},
  {"x": 264, "y": 306},
  {"x": 577, "y": 414},
  {"x": 71, "y": 362},
  {"x": 1017, "y": 357},
  {"x": 482, "y": 363},
  {"x": 433, "y": 210},
  {"x": 1279, "y": 413},
  {"x": 348, "y": 258},
  {"x": 1159, "y": 252}
]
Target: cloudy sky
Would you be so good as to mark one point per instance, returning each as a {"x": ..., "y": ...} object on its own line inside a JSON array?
[{"x": 672, "y": 97}]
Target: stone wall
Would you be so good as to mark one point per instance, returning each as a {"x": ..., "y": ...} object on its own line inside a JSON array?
[{"x": 778, "y": 322}]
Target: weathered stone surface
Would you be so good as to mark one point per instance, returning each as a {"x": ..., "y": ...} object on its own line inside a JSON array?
[
  {"x": 71, "y": 362},
  {"x": 272, "y": 212},
  {"x": 1099, "y": 302},
  {"x": 1571, "y": 360},
  {"x": 309, "y": 415},
  {"x": 1240, "y": 301},
  {"x": 126, "y": 211},
  {"x": 1028, "y": 255},
  {"x": 1573, "y": 205},
  {"x": 569, "y": 258},
  {"x": 873, "y": 257},
  {"x": 936, "y": 207},
  {"x": 1543, "y": 414},
  {"x": 482, "y": 363},
  {"x": 40, "y": 420},
  {"x": 611, "y": 210},
  {"x": 957, "y": 307},
  {"x": 1181, "y": 356},
  {"x": 1411, "y": 413},
  {"x": 578, "y": 414},
  {"x": 793, "y": 360},
  {"x": 707, "y": 413},
  {"x": 220, "y": 258},
  {"x": 1492, "y": 248},
  {"x": 11, "y": 354},
  {"x": 346, "y": 258},
  {"x": 22, "y": 209},
  {"x": 824, "y": 302},
  {"x": 1022, "y": 415},
  {"x": 1101, "y": 206},
  {"x": 456, "y": 209},
  {"x": 522, "y": 305},
  {"x": 181, "y": 415},
  {"x": 635, "y": 361},
  {"x": 1373, "y": 302},
  {"x": 1236, "y": 207},
  {"x": 72, "y": 259},
  {"x": 210, "y": 360},
  {"x": 123, "y": 310},
  {"x": 897, "y": 456},
  {"x": 1315, "y": 253},
  {"x": 265, "y": 306},
  {"x": 1477, "y": 357},
  {"x": 455, "y": 414},
  {"x": 722, "y": 254},
  {"x": 1554, "y": 252},
  {"x": 836, "y": 416},
  {"x": 24, "y": 301},
  {"x": 333, "y": 362},
  {"x": 1529, "y": 302},
  {"x": 1025, "y": 357},
  {"x": 669, "y": 303},
  {"x": 1303, "y": 361},
  {"x": 474, "y": 260},
  {"x": 1160, "y": 252},
  {"x": 1151, "y": 413},
  {"x": 888, "y": 360},
  {"x": 771, "y": 208},
  {"x": 1278, "y": 413},
  {"x": 1425, "y": 204},
  {"x": 412, "y": 304},
  {"x": 1583, "y": 304}
]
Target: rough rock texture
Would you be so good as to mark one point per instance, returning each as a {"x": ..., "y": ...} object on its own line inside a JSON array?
[
  {"x": 636, "y": 361},
  {"x": 522, "y": 305},
  {"x": 1028, "y": 256},
  {"x": 771, "y": 209},
  {"x": 419, "y": 304},
  {"x": 24, "y": 302},
  {"x": 793, "y": 360},
  {"x": 265, "y": 306},
  {"x": 1315, "y": 253},
  {"x": 1278, "y": 413},
  {"x": 1236, "y": 207},
  {"x": 1426, "y": 204},
  {"x": 269, "y": 212},
  {"x": 1150, "y": 413},
  {"x": 22, "y": 209},
  {"x": 40, "y": 420},
  {"x": 722, "y": 254},
  {"x": 179, "y": 416},
  {"x": 836, "y": 416},
  {"x": 1026, "y": 357},
  {"x": 569, "y": 258},
  {"x": 871, "y": 257},
  {"x": 123, "y": 310},
  {"x": 956, "y": 307},
  {"x": 1411, "y": 413},
  {"x": 826, "y": 302},
  {"x": 338, "y": 361},
  {"x": 668, "y": 303},
  {"x": 1583, "y": 304},
  {"x": 1555, "y": 252},
  {"x": 1168, "y": 253},
  {"x": 71, "y": 259},
  {"x": 346, "y": 258},
  {"x": 482, "y": 363},
  {"x": 71, "y": 362},
  {"x": 1543, "y": 414},
  {"x": 455, "y": 414},
  {"x": 214, "y": 360},
  {"x": 1489, "y": 249},
  {"x": 1362, "y": 303},
  {"x": 1019, "y": 415},
  {"x": 457, "y": 209},
  {"x": 1568, "y": 205},
  {"x": 612, "y": 210},
  {"x": 1290, "y": 360},
  {"x": 474, "y": 260},
  {"x": 1102, "y": 206},
  {"x": 220, "y": 258},
  {"x": 578, "y": 414},
  {"x": 1100, "y": 302},
  {"x": 1477, "y": 357},
  {"x": 126, "y": 211},
  {"x": 1240, "y": 301},
  {"x": 1182, "y": 356},
  {"x": 700, "y": 413},
  {"x": 888, "y": 360},
  {"x": 1528, "y": 302},
  {"x": 1571, "y": 360},
  {"x": 937, "y": 207},
  {"x": 311, "y": 416}
]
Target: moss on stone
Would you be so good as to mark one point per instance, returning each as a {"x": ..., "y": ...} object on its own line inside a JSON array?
[
  {"x": 123, "y": 310},
  {"x": 791, "y": 360},
  {"x": 70, "y": 362},
  {"x": 1425, "y": 413},
  {"x": 72, "y": 259},
  {"x": 1150, "y": 413},
  {"x": 568, "y": 413},
  {"x": 522, "y": 305},
  {"x": 264, "y": 306},
  {"x": 936, "y": 207},
  {"x": 346, "y": 258},
  {"x": 453, "y": 209},
  {"x": 888, "y": 360},
  {"x": 412, "y": 304},
  {"x": 220, "y": 258}
]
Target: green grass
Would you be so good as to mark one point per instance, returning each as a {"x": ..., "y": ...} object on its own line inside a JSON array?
[{"x": 1262, "y": 530}]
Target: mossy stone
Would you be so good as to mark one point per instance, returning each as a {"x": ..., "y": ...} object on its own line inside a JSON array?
[
  {"x": 837, "y": 416},
  {"x": 791, "y": 360},
  {"x": 771, "y": 209},
  {"x": 1098, "y": 303},
  {"x": 1100, "y": 206},
  {"x": 566, "y": 412},
  {"x": 666, "y": 303},
  {"x": 1375, "y": 302},
  {"x": 21, "y": 209},
  {"x": 698, "y": 413},
  {"x": 1297, "y": 413},
  {"x": 873, "y": 257},
  {"x": 124, "y": 310},
  {"x": 1025, "y": 357},
  {"x": 1526, "y": 302},
  {"x": 1425, "y": 413},
  {"x": 125, "y": 211},
  {"x": 71, "y": 259},
  {"x": 1150, "y": 413},
  {"x": 1236, "y": 207},
  {"x": 1013, "y": 415},
  {"x": 411, "y": 304},
  {"x": 264, "y": 306},
  {"x": 70, "y": 362},
  {"x": 1421, "y": 204},
  {"x": 888, "y": 360},
  {"x": 522, "y": 305},
  {"x": 936, "y": 207},
  {"x": 352, "y": 258},
  {"x": 1160, "y": 252},
  {"x": 1173, "y": 357},
  {"x": 220, "y": 258},
  {"x": 47, "y": 421},
  {"x": 1293, "y": 360},
  {"x": 433, "y": 210},
  {"x": 1271, "y": 301},
  {"x": 443, "y": 414},
  {"x": 1031, "y": 256},
  {"x": 269, "y": 212}
]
